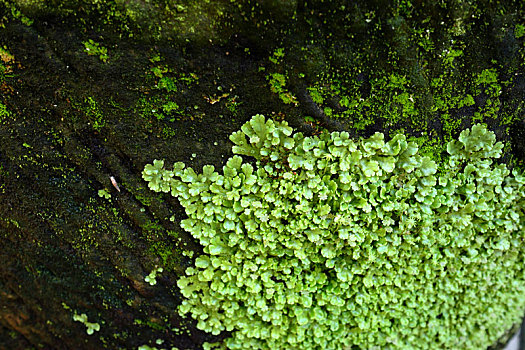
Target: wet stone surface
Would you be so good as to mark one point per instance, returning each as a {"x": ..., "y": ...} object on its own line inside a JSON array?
[{"x": 93, "y": 90}]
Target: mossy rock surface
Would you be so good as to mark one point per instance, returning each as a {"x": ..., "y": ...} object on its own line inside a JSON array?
[{"x": 91, "y": 91}]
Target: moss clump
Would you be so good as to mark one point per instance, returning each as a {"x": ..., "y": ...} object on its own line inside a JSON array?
[
  {"x": 329, "y": 242},
  {"x": 90, "y": 326},
  {"x": 93, "y": 48}
]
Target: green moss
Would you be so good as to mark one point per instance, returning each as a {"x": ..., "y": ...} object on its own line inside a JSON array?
[
  {"x": 153, "y": 325},
  {"x": 151, "y": 277},
  {"x": 390, "y": 98},
  {"x": 144, "y": 199},
  {"x": 396, "y": 69},
  {"x": 4, "y": 113},
  {"x": 93, "y": 48},
  {"x": 233, "y": 104},
  {"x": 166, "y": 104},
  {"x": 104, "y": 194},
  {"x": 519, "y": 31},
  {"x": 431, "y": 146},
  {"x": 169, "y": 253},
  {"x": 17, "y": 14},
  {"x": 329, "y": 242},
  {"x": 277, "y": 56},
  {"x": 90, "y": 111},
  {"x": 94, "y": 114},
  {"x": 10, "y": 222},
  {"x": 277, "y": 83},
  {"x": 90, "y": 326}
]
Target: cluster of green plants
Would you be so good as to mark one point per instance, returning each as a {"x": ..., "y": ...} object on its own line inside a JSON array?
[
  {"x": 93, "y": 112},
  {"x": 92, "y": 48},
  {"x": 91, "y": 327},
  {"x": 326, "y": 242},
  {"x": 7, "y": 61},
  {"x": 172, "y": 89},
  {"x": 14, "y": 12},
  {"x": 4, "y": 113},
  {"x": 277, "y": 82},
  {"x": 394, "y": 98},
  {"x": 152, "y": 277},
  {"x": 389, "y": 94}
]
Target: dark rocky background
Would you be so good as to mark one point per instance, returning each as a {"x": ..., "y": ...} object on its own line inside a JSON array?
[{"x": 171, "y": 80}]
